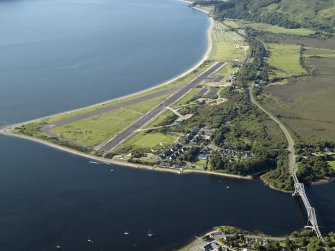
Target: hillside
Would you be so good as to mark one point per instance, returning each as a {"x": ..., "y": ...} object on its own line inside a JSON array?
[{"x": 287, "y": 13}]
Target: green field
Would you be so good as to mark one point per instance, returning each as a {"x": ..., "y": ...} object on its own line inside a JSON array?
[
  {"x": 144, "y": 140},
  {"x": 232, "y": 23},
  {"x": 276, "y": 29},
  {"x": 98, "y": 129},
  {"x": 159, "y": 119},
  {"x": 319, "y": 52},
  {"x": 226, "y": 70},
  {"x": 226, "y": 51},
  {"x": 306, "y": 104},
  {"x": 332, "y": 164},
  {"x": 284, "y": 61},
  {"x": 188, "y": 97},
  {"x": 223, "y": 44}
]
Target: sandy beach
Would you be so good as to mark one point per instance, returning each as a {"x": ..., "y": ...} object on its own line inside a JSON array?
[
  {"x": 195, "y": 66},
  {"x": 6, "y": 130}
]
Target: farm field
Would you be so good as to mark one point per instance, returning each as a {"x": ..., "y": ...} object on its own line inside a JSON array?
[
  {"x": 325, "y": 43},
  {"x": 284, "y": 61},
  {"x": 268, "y": 27},
  {"x": 276, "y": 29},
  {"x": 306, "y": 104},
  {"x": 318, "y": 52},
  {"x": 231, "y": 23},
  {"x": 223, "y": 44}
]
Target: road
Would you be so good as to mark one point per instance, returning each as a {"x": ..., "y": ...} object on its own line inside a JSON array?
[
  {"x": 86, "y": 115},
  {"x": 301, "y": 190},
  {"x": 154, "y": 112},
  {"x": 286, "y": 132}
]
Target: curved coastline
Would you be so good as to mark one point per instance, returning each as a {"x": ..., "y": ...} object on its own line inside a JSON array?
[
  {"x": 166, "y": 82},
  {"x": 5, "y": 130}
]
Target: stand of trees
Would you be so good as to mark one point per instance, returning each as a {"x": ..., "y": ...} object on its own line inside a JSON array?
[
  {"x": 251, "y": 10},
  {"x": 255, "y": 68},
  {"x": 256, "y": 11}
]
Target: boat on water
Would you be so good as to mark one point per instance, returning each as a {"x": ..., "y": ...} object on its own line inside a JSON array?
[
  {"x": 227, "y": 187},
  {"x": 126, "y": 232},
  {"x": 89, "y": 240},
  {"x": 93, "y": 162},
  {"x": 58, "y": 246},
  {"x": 150, "y": 233},
  {"x": 112, "y": 170}
]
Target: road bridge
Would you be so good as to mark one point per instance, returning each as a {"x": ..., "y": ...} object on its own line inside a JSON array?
[{"x": 299, "y": 188}]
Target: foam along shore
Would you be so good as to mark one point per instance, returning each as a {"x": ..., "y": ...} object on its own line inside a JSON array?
[{"x": 6, "y": 131}]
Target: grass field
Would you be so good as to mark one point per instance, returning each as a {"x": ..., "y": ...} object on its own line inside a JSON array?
[
  {"x": 97, "y": 129},
  {"x": 149, "y": 140},
  {"x": 223, "y": 44},
  {"x": 268, "y": 27},
  {"x": 276, "y": 29},
  {"x": 231, "y": 23},
  {"x": 332, "y": 164},
  {"x": 143, "y": 140},
  {"x": 319, "y": 52},
  {"x": 284, "y": 61},
  {"x": 188, "y": 97},
  {"x": 306, "y": 104}
]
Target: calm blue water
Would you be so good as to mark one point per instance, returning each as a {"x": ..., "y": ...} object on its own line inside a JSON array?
[{"x": 57, "y": 55}]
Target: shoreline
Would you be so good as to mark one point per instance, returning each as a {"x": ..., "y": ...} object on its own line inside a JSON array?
[
  {"x": 123, "y": 163},
  {"x": 5, "y": 129},
  {"x": 266, "y": 183},
  {"x": 164, "y": 83}
]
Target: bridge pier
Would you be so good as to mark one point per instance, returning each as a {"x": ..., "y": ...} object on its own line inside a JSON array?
[{"x": 299, "y": 189}]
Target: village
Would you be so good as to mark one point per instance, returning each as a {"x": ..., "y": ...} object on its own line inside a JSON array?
[
  {"x": 227, "y": 238},
  {"x": 194, "y": 149}
]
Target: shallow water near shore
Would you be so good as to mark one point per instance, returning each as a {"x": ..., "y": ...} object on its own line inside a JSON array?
[{"x": 48, "y": 196}]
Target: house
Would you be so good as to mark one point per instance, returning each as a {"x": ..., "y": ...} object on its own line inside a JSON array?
[
  {"x": 216, "y": 246},
  {"x": 213, "y": 246},
  {"x": 207, "y": 247},
  {"x": 205, "y": 150},
  {"x": 202, "y": 156}
]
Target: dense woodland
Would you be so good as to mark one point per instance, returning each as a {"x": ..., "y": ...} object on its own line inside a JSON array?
[{"x": 276, "y": 12}]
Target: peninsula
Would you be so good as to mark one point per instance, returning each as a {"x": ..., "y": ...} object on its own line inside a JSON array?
[{"x": 206, "y": 120}]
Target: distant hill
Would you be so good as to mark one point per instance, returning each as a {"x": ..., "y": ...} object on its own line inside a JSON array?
[{"x": 287, "y": 13}]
